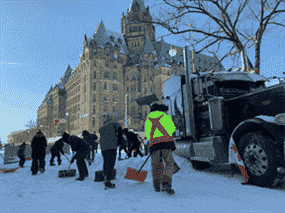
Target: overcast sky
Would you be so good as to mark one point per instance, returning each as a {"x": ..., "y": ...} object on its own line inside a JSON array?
[{"x": 39, "y": 40}]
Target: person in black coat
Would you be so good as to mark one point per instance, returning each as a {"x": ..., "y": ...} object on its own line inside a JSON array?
[
  {"x": 82, "y": 149},
  {"x": 134, "y": 143},
  {"x": 39, "y": 144},
  {"x": 21, "y": 154},
  {"x": 91, "y": 139},
  {"x": 96, "y": 147},
  {"x": 55, "y": 151},
  {"x": 122, "y": 142}
]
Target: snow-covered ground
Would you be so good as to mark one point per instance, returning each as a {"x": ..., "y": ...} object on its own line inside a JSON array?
[{"x": 196, "y": 191}]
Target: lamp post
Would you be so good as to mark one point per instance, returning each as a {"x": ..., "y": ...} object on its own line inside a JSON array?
[{"x": 126, "y": 112}]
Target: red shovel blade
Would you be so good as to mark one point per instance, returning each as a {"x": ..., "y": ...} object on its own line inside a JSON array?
[{"x": 132, "y": 174}]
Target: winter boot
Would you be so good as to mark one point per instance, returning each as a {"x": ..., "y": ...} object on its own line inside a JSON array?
[
  {"x": 109, "y": 185},
  {"x": 157, "y": 189},
  {"x": 42, "y": 170},
  {"x": 52, "y": 164},
  {"x": 167, "y": 189},
  {"x": 59, "y": 163},
  {"x": 80, "y": 179}
]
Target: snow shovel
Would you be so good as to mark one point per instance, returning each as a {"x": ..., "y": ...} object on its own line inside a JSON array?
[
  {"x": 69, "y": 172},
  {"x": 133, "y": 174}
]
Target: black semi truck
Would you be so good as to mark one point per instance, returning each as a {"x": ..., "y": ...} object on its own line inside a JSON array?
[{"x": 212, "y": 108}]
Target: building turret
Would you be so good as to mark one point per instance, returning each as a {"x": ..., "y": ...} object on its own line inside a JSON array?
[{"x": 123, "y": 24}]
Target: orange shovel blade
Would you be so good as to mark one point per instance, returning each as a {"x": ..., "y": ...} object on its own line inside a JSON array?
[{"x": 132, "y": 174}]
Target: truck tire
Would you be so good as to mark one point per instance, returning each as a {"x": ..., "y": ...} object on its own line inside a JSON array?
[
  {"x": 198, "y": 165},
  {"x": 259, "y": 156}
]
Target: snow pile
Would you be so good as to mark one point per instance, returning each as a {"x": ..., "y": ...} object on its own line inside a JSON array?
[{"x": 196, "y": 191}]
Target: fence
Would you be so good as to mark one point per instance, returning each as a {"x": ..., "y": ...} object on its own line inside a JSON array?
[{"x": 11, "y": 152}]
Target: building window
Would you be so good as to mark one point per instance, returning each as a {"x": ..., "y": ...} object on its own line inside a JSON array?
[
  {"x": 94, "y": 74},
  {"x": 94, "y": 63},
  {"x": 105, "y": 100},
  {"x": 106, "y": 64},
  {"x": 106, "y": 75},
  {"x": 150, "y": 78},
  {"x": 132, "y": 88},
  {"x": 127, "y": 99},
  {"x": 144, "y": 79},
  {"x": 114, "y": 87},
  {"x": 79, "y": 88},
  {"x": 105, "y": 86},
  {"x": 94, "y": 87},
  {"x": 139, "y": 89},
  {"x": 144, "y": 90},
  {"x": 115, "y": 99},
  {"x": 84, "y": 88},
  {"x": 127, "y": 88},
  {"x": 133, "y": 77},
  {"x": 93, "y": 123},
  {"x": 150, "y": 90},
  {"x": 84, "y": 78},
  {"x": 115, "y": 77},
  {"x": 94, "y": 109},
  {"x": 127, "y": 77},
  {"x": 133, "y": 98},
  {"x": 115, "y": 66},
  {"x": 94, "y": 97},
  {"x": 115, "y": 111}
]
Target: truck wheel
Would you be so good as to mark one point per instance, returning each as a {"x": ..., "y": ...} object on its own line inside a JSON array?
[
  {"x": 259, "y": 156},
  {"x": 198, "y": 165}
]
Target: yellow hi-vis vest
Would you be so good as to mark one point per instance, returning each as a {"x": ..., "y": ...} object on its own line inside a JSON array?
[{"x": 159, "y": 127}]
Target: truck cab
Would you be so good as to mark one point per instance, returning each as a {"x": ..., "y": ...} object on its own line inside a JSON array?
[{"x": 214, "y": 107}]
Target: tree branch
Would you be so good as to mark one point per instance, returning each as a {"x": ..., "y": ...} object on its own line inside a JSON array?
[
  {"x": 282, "y": 25},
  {"x": 208, "y": 45}
]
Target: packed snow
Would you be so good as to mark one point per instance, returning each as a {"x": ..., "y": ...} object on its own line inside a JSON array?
[{"x": 195, "y": 191}]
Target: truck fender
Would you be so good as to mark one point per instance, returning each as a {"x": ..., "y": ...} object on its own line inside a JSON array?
[{"x": 257, "y": 125}]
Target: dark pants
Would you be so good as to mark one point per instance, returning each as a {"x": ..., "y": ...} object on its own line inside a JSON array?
[
  {"x": 40, "y": 157},
  {"x": 90, "y": 155},
  {"x": 109, "y": 158},
  {"x": 122, "y": 148},
  {"x": 22, "y": 160},
  {"x": 53, "y": 155},
  {"x": 80, "y": 162},
  {"x": 135, "y": 147}
]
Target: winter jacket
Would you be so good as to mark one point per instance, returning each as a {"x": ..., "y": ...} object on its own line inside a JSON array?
[
  {"x": 77, "y": 144},
  {"x": 57, "y": 147},
  {"x": 161, "y": 137},
  {"x": 39, "y": 144},
  {"x": 21, "y": 151},
  {"x": 109, "y": 134},
  {"x": 90, "y": 138},
  {"x": 132, "y": 138}
]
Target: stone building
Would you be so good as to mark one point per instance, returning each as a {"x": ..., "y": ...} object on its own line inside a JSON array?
[{"x": 114, "y": 70}]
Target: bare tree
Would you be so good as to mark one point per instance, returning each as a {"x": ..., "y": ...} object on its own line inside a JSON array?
[
  {"x": 31, "y": 124},
  {"x": 223, "y": 24}
]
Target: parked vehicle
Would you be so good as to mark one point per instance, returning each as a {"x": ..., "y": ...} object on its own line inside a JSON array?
[{"x": 212, "y": 107}]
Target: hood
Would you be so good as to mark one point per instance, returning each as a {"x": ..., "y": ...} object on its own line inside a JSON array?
[
  {"x": 85, "y": 133},
  {"x": 65, "y": 136}
]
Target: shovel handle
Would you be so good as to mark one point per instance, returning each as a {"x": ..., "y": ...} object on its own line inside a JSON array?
[{"x": 144, "y": 163}]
